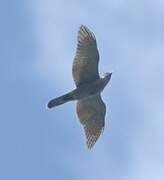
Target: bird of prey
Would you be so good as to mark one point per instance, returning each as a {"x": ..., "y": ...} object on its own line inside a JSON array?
[{"x": 89, "y": 85}]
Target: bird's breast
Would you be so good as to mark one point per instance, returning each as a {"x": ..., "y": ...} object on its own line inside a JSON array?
[{"x": 88, "y": 89}]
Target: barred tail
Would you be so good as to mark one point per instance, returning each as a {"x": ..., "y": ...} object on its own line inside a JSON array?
[{"x": 60, "y": 100}]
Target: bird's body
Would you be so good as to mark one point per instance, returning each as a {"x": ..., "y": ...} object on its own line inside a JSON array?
[
  {"x": 90, "y": 107},
  {"x": 81, "y": 92}
]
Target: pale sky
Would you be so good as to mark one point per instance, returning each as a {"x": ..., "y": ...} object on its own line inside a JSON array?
[{"x": 38, "y": 43}]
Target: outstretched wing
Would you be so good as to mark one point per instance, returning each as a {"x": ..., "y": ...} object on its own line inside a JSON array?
[
  {"x": 91, "y": 112},
  {"x": 85, "y": 64}
]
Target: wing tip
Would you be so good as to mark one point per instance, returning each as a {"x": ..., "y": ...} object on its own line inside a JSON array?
[
  {"x": 84, "y": 32},
  {"x": 92, "y": 139}
]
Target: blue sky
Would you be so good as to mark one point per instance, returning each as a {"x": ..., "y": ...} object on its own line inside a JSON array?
[{"x": 38, "y": 42}]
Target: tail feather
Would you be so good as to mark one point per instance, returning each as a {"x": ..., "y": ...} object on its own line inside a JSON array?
[{"x": 60, "y": 100}]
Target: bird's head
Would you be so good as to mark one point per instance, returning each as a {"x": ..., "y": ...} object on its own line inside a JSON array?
[{"x": 107, "y": 76}]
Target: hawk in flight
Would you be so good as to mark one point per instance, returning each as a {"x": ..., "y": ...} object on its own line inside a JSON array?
[{"x": 89, "y": 85}]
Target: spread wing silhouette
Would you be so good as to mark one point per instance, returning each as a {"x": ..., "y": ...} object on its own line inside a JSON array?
[
  {"x": 91, "y": 112},
  {"x": 85, "y": 64},
  {"x": 90, "y": 107}
]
